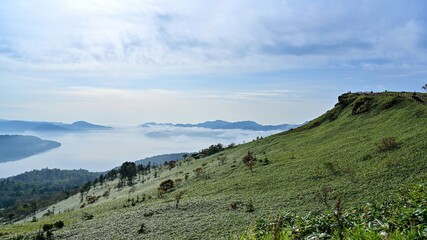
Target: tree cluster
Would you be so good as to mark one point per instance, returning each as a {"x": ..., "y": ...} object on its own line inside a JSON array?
[{"x": 208, "y": 151}]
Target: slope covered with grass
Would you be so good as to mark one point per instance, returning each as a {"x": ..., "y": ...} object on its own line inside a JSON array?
[{"x": 369, "y": 146}]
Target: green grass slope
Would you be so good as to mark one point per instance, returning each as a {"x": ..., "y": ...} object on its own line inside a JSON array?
[{"x": 333, "y": 155}]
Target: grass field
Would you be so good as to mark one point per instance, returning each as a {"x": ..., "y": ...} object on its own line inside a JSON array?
[{"x": 334, "y": 155}]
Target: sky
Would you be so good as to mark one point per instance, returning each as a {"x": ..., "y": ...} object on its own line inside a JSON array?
[{"x": 188, "y": 61}]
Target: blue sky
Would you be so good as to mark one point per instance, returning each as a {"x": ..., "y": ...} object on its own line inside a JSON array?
[{"x": 129, "y": 62}]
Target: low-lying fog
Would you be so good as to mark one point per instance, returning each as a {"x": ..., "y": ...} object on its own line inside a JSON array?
[{"x": 103, "y": 150}]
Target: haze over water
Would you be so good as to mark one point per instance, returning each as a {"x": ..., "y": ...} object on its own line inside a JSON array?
[{"x": 104, "y": 150}]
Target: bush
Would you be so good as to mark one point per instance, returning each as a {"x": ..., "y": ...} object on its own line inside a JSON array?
[
  {"x": 250, "y": 207},
  {"x": 401, "y": 218},
  {"x": 167, "y": 185},
  {"x": 87, "y": 216},
  {"x": 47, "y": 227},
  {"x": 387, "y": 144},
  {"x": 142, "y": 229},
  {"x": 249, "y": 160},
  {"x": 235, "y": 205},
  {"x": 59, "y": 224},
  {"x": 198, "y": 171}
]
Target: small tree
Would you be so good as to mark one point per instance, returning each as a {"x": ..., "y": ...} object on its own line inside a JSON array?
[
  {"x": 128, "y": 171},
  {"x": 171, "y": 164},
  {"x": 323, "y": 195},
  {"x": 178, "y": 197},
  {"x": 34, "y": 207},
  {"x": 249, "y": 160},
  {"x": 101, "y": 179}
]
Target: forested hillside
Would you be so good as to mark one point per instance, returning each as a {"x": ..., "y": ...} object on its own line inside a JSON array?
[{"x": 26, "y": 193}]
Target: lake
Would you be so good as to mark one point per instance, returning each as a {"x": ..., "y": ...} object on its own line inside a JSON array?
[{"x": 104, "y": 150}]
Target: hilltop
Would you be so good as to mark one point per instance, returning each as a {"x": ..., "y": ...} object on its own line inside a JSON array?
[{"x": 366, "y": 148}]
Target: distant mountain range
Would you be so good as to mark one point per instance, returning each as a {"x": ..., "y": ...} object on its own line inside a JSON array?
[
  {"x": 16, "y": 147},
  {"x": 220, "y": 124},
  {"x": 14, "y": 126}
]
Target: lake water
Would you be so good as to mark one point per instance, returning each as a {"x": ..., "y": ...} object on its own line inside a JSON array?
[{"x": 104, "y": 150}]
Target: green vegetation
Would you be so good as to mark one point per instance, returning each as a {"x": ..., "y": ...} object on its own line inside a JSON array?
[
  {"x": 303, "y": 172},
  {"x": 403, "y": 217},
  {"x": 25, "y": 193}
]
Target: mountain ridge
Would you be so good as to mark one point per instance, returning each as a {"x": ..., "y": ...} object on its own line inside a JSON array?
[
  {"x": 221, "y": 124},
  {"x": 41, "y": 126}
]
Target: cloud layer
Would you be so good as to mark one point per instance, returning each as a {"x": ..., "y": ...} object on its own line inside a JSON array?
[
  {"x": 191, "y": 61},
  {"x": 153, "y": 37}
]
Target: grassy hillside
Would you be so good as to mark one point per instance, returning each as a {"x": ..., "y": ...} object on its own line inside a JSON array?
[{"x": 369, "y": 146}]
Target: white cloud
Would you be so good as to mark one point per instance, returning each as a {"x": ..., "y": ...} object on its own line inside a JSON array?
[
  {"x": 270, "y": 61},
  {"x": 157, "y": 37}
]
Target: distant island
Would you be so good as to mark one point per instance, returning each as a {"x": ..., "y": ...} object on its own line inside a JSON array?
[
  {"x": 16, "y": 147},
  {"x": 14, "y": 126},
  {"x": 220, "y": 124}
]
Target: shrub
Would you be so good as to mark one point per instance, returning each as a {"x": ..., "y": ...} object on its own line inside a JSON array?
[
  {"x": 167, "y": 185},
  {"x": 106, "y": 194},
  {"x": 92, "y": 199},
  {"x": 250, "y": 207},
  {"x": 142, "y": 229},
  {"x": 323, "y": 195},
  {"x": 47, "y": 227},
  {"x": 401, "y": 218},
  {"x": 235, "y": 205},
  {"x": 222, "y": 160},
  {"x": 249, "y": 160},
  {"x": 387, "y": 144},
  {"x": 198, "y": 171},
  {"x": 87, "y": 216},
  {"x": 178, "y": 197},
  {"x": 58, "y": 224},
  {"x": 160, "y": 192}
]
